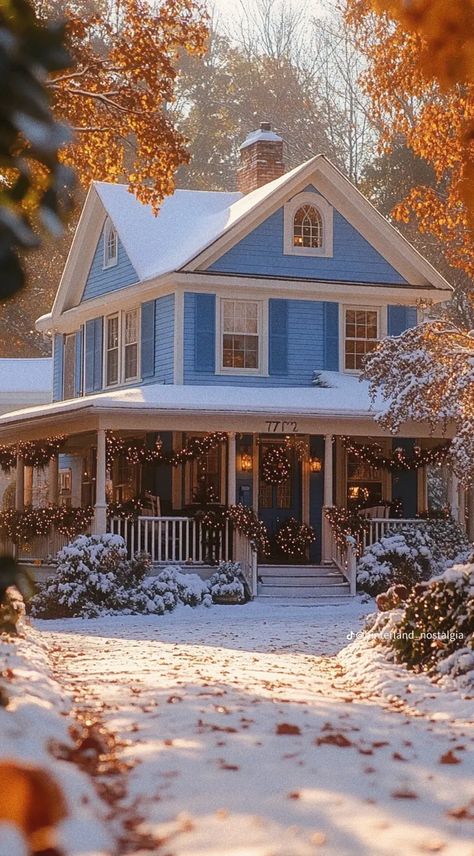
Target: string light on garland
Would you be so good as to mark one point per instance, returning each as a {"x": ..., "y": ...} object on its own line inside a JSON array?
[
  {"x": 20, "y": 526},
  {"x": 276, "y": 467},
  {"x": 347, "y": 523},
  {"x": 138, "y": 453},
  {"x": 245, "y": 521},
  {"x": 372, "y": 455},
  {"x": 294, "y": 537},
  {"x": 35, "y": 453}
]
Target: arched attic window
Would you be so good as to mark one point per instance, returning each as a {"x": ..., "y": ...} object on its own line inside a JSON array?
[
  {"x": 308, "y": 227},
  {"x": 110, "y": 245}
]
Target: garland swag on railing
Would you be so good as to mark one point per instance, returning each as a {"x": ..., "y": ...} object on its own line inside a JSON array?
[
  {"x": 20, "y": 526},
  {"x": 345, "y": 523},
  {"x": 138, "y": 453},
  {"x": 371, "y": 454},
  {"x": 35, "y": 453}
]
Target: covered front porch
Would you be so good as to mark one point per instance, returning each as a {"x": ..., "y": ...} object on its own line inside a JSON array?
[{"x": 193, "y": 482}]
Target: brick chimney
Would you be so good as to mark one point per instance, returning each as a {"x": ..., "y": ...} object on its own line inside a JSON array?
[{"x": 261, "y": 159}]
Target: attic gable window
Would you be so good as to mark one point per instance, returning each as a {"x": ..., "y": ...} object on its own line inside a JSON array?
[
  {"x": 307, "y": 227},
  {"x": 110, "y": 245},
  {"x": 308, "y": 220}
]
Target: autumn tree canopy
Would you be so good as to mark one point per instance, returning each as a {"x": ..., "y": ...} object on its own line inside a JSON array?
[
  {"x": 420, "y": 80},
  {"x": 116, "y": 98}
]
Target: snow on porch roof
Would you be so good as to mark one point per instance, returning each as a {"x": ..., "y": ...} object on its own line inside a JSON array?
[
  {"x": 188, "y": 222},
  {"x": 26, "y": 375},
  {"x": 345, "y": 395}
]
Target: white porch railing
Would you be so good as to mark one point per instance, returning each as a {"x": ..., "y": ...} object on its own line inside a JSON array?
[
  {"x": 379, "y": 526},
  {"x": 345, "y": 556},
  {"x": 174, "y": 539},
  {"x": 41, "y": 548}
]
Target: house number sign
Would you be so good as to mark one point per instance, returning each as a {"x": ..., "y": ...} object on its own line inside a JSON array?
[{"x": 279, "y": 426}]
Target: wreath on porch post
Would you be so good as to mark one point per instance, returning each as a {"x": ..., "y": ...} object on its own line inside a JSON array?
[{"x": 275, "y": 465}]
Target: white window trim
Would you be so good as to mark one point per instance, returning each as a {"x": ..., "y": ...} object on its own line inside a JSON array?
[
  {"x": 108, "y": 228},
  {"x": 262, "y": 326},
  {"x": 381, "y": 327},
  {"x": 326, "y": 212},
  {"x": 121, "y": 349}
]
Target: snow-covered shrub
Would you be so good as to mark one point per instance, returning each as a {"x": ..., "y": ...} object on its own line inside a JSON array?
[
  {"x": 93, "y": 576},
  {"x": 409, "y": 554},
  {"x": 189, "y": 589},
  {"x": 435, "y": 626},
  {"x": 402, "y": 558},
  {"x": 226, "y": 583}
]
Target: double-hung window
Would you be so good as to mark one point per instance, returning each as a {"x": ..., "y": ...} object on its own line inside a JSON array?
[
  {"x": 361, "y": 334},
  {"x": 121, "y": 347},
  {"x": 241, "y": 335}
]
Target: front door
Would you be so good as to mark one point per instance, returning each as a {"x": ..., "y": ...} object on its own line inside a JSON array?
[{"x": 279, "y": 498}]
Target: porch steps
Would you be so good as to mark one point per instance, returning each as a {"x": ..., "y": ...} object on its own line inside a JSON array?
[{"x": 301, "y": 581}]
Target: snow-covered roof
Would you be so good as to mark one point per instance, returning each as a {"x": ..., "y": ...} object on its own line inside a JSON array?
[
  {"x": 26, "y": 375},
  {"x": 343, "y": 396},
  {"x": 187, "y": 223}
]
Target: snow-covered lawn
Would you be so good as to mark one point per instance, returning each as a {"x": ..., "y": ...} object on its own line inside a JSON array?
[{"x": 249, "y": 737}]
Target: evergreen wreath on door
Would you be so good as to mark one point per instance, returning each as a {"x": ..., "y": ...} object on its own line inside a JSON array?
[{"x": 276, "y": 466}]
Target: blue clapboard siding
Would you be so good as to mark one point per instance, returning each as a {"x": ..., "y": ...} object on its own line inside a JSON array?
[
  {"x": 400, "y": 318},
  {"x": 305, "y": 348},
  {"x": 164, "y": 339},
  {"x": 278, "y": 337},
  {"x": 100, "y": 281},
  {"x": 261, "y": 253},
  {"x": 58, "y": 361}
]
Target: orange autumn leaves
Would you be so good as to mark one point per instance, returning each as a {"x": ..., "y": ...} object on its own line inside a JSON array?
[
  {"x": 420, "y": 77},
  {"x": 117, "y": 97}
]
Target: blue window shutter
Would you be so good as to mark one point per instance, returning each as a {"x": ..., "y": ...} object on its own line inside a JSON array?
[
  {"x": 93, "y": 354},
  {"x": 331, "y": 336},
  {"x": 278, "y": 337},
  {"x": 58, "y": 360},
  {"x": 400, "y": 318},
  {"x": 89, "y": 356},
  {"x": 78, "y": 363},
  {"x": 148, "y": 339},
  {"x": 98, "y": 327},
  {"x": 205, "y": 333}
]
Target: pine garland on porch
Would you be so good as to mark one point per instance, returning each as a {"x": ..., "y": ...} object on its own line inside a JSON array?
[
  {"x": 371, "y": 454},
  {"x": 20, "y": 526},
  {"x": 347, "y": 523},
  {"x": 139, "y": 453},
  {"x": 35, "y": 453}
]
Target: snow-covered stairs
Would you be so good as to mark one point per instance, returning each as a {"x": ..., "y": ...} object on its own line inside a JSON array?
[{"x": 301, "y": 581}]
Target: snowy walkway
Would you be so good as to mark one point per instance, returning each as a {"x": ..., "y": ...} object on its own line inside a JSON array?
[{"x": 252, "y": 739}]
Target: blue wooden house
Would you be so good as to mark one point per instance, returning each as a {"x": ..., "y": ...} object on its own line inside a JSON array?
[{"x": 247, "y": 313}]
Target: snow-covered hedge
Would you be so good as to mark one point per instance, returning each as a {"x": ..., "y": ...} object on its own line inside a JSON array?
[
  {"x": 432, "y": 627},
  {"x": 226, "y": 583},
  {"x": 94, "y": 577},
  {"x": 411, "y": 554}
]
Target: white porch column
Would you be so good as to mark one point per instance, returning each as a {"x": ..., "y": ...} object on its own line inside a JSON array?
[
  {"x": 28, "y": 485},
  {"x": 53, "y": 478},
  {"x": 328, "y": 497},
  {"x": 231, "y": 466},
  {"x": 20, "y": 484},
  {"x": 453, "y": 496},
  {"x": 100, "y": 513}
]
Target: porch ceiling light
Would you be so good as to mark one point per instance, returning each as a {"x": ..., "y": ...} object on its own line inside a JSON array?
[
  {"x": 246, "y": 462},
  {"x": 315, "y": 465}
]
